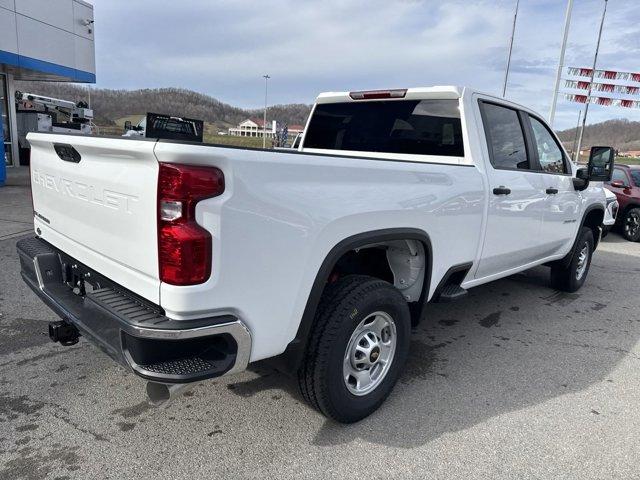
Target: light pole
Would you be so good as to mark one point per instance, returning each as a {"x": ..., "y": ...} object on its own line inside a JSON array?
[
  {"x": 575, "y": 138},
  {"x": 513, "y": 32},
  {"x": 264, "y": 125},
  {"x": 567, "y": 21},
  {"x": 593, "y": 72}
]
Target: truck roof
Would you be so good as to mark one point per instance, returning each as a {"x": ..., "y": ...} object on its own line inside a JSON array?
[{"x": 416, "y": 93}]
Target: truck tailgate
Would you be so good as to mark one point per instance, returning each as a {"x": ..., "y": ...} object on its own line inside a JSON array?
[{"x": 99, "y": 207}]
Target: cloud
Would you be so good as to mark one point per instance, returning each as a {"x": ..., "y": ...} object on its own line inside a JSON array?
[{"x": 222, "y": 48}]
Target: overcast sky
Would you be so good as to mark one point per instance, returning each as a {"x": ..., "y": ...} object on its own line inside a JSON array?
[{"x": 222, "y": 48}]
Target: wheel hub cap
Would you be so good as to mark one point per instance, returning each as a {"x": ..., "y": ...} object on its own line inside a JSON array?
[
  {"x": 375, "y": 355},
  {"x": 369, "y": 353},
  {"x": 583, "y": 261}
]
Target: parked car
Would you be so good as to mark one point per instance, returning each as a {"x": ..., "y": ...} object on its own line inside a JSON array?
[
  {"x": 625, "y": 183},
  {"x": 610, "y": 212},
  {"x": 185, "y": 261}
]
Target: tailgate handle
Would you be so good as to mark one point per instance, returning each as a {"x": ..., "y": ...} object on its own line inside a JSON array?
[{"x": 67, "y": 153}]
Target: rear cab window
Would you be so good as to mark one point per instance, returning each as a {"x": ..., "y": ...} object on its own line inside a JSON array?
[{"x": 411, "y": 127}]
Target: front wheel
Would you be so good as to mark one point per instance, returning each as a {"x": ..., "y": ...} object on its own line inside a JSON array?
[
  {"x": 631, "y": 225},
  {"x": 357, "y": 349},
  {"x": 569, "y": 278}
]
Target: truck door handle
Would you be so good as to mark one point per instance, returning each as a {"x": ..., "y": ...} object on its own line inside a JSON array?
[
  {"x": 552, "y": 191},
  {"x": 501, "y": 190}
]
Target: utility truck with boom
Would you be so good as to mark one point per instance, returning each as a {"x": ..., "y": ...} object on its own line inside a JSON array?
[
  {"x": 186, "y": 261},
  {"x": 37, "y": 113}
]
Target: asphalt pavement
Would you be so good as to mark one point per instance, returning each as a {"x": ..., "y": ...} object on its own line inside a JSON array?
[{"x": 515, "y": 381}]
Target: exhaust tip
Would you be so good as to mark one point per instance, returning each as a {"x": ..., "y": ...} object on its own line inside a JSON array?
[
  {"x": 161, "y": 393},
  {"x": 158, "y": 393}
]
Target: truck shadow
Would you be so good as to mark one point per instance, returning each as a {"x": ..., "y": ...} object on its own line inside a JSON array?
[{"x": 508, "y": 346}]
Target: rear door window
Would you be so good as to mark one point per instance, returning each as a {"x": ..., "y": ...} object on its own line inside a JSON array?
[
  {"x": 505, "y": 137},
  {"x": 416, "y": 127}
]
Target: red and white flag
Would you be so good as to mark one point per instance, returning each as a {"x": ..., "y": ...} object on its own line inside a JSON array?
[
  {"x": 604, "y": 74},
  {"x": 603, "y": 87},
  {"x": 606, "y": 101}
]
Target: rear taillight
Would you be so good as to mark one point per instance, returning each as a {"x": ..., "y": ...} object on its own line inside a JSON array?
[
  {"x": 184, "y": 247},
  {"x": 376, "y": 94}
]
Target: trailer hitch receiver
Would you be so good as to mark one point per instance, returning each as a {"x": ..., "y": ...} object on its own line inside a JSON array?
[{"x": 64, "y": 332}]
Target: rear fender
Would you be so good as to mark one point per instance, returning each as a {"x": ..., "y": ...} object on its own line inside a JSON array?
[{"x": 291, "y": 358}]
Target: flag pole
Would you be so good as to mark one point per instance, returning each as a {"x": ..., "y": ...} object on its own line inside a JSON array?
[
  {"x": 565, "y": 35},
  {"x": 513, "y": 32},
  {"x": 593, "y": 72}
]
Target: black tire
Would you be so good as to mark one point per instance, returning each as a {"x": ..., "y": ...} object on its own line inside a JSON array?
[
  {"x": 566, "y": 277},
  {"x": 344, "y": 305},
  {"x": 631, "y": 225}
]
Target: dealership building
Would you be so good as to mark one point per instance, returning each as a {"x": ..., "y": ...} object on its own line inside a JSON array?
[{"x": 41, "y": 40}]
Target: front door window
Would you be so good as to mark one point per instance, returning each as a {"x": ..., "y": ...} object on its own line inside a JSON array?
[{"x": 550, "y": 155}]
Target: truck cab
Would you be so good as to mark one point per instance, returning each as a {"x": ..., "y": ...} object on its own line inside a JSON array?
[{"x": 534, "y": 206}]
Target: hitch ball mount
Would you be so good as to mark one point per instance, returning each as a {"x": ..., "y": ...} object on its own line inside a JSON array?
[{"x": 64, "y": 332}]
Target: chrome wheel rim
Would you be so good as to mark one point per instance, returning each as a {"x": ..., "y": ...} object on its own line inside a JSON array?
[
  {"x": 583, "y": 260},
  {"x": 632, "y": 224},
  {"x": 369, "y": 354}
]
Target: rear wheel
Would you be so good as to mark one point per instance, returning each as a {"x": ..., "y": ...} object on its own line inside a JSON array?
[
  {"x": 569, "y": 278},
  {"x": 357, "y": 348},
  {"x": 631, "y": 225}
]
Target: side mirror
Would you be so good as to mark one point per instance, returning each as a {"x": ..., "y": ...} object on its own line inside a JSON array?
[
  {"x": 127, "y": 125},
  {"x": 601, "y": 164},
  {"x": 618, "y": 184},
  {"x": 581, "y": 182}
]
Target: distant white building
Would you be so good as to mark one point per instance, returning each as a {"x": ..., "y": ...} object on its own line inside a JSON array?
[
  {"x": 254, "y": 127},
  {"x": 295, "y": 129}
]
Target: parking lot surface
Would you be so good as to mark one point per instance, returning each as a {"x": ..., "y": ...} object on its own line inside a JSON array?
[{"x": 515, "y": 381}]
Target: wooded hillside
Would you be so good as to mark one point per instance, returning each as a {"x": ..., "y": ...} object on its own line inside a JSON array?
[{"x": 112, "y": 105}]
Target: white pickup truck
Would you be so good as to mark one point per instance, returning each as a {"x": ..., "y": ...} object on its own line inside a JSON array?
[{"x": 186, "y": 261}]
